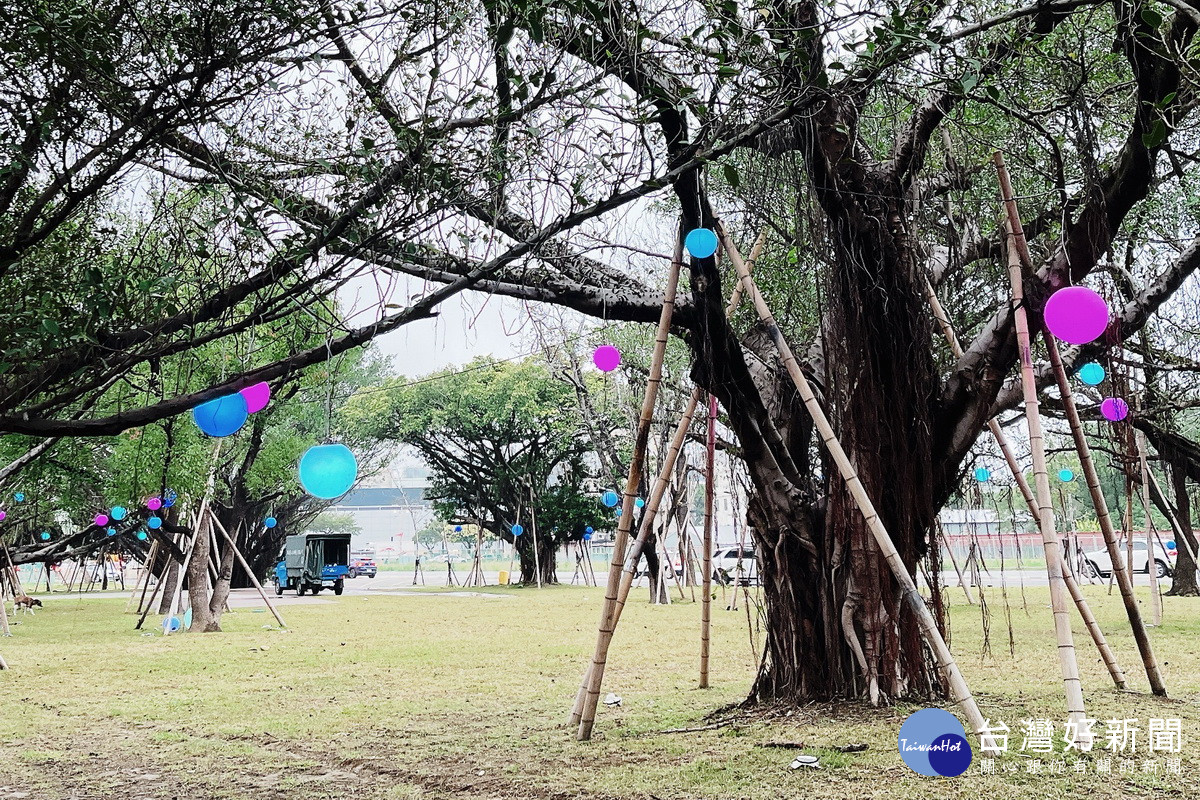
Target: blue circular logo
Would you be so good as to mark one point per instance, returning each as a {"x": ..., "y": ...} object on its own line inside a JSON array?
[{"x": 933, "y": 742}]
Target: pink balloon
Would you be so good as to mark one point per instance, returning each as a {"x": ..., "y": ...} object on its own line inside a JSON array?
[
  {"x": 1076, "y": 315},
  {"x": 1114, "y": 409},
  {"x": 154, "y": 503},
  {"x": 100, "y": 519},
  {"x": 257, "y": 396},
  {"x": 606, "y": 358},
  {"x": 3, "y": 514}
]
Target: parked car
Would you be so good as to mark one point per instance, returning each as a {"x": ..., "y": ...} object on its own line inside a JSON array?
[
  {"x": 735, "y": 564},
  {"x": 362, "y": 566},
  {"x": 1097, "y": 562}
]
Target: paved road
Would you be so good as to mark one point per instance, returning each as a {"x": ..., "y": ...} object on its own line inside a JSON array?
[{"x": 1037, "y": 577}]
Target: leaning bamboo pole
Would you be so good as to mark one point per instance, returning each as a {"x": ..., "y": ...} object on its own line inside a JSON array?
[
  {"x": 249, "y": 572},
  {"x": 706, "y": 599},
  {"x": 1176, "y": 528},
  {"x": 657, "y": 492},
  {"x": 1085, "y": 612},
  {"x": 1151, "y": 552},
  {"x": 595, "y": 673},
  {"x": 1072, "y": 686},
  {"x": 959, "y": 692}
]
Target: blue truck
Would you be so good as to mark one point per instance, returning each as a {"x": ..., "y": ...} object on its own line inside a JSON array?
[{"x": 310, "y": 562}]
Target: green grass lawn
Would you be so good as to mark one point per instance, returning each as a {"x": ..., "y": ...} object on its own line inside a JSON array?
[{"x": 440, "y": 696}]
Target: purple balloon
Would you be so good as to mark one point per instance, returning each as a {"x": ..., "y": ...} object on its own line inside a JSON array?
[
  {"x": 1076, "y": 315},
  {"x": 606, "y": 358},
  {"x": 101, "y": 520},
  {"x": 257, "y": 396},
  {"x": 154, "y": 503},
  {"x": 1114, "y": 409}
]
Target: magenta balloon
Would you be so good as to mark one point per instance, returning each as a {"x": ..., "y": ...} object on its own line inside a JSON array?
[
  {"x": 257, "y": 396},
  {"x": 3, "y": 514},
  {"x": 606, "y": 358},
  {"x": 154, "y": 503},
  {"x": 1076, "y": 315},
  {"x": 101, "y": 520},
  {"x": 1114, "y": 409}
]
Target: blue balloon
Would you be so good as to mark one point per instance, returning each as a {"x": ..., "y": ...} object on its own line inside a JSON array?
[
  {"x": 44, "y": 536},
  {"x": 610, "y": 498},
  {"x": 617, "y": 512},
  {"x": 1091, "y": 373},
  {"x": 1171, "y": 545},
  {"x": 639, "y": 502},
  {"x": 983, "y": 474},
  {"x": 589, "y": 529},
  {"x": 458, "y": 528},
  {"x": 19, "y": 497},
  {"x": 143, "y": 536},
  {"x": 111, "y": 531},
  {"x": 270, "y": 522},
  {"x": 517, "y": 530},
  {"x": 171, "y": 624},
  {"x": 1066, "y": 475},
  {"x": 701, "y": 242},
  {"x": 328, "y": 470},
  {"x": 222, "y": 416},
  {"x": 118, "y": 513},
  {"x": 587, "y": 537},
  {"x": 154, "y": 523}
]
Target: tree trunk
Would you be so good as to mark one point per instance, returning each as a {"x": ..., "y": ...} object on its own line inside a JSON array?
[
  {"x": 547, "y": 552},
  {"x": 659, "y": 586},
  {"x": 1183, "y": 582}
]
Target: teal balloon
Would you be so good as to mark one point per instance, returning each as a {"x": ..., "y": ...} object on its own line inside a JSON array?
[
  {"x": 701, "y": 243},
  {"x": 222, "y": 416},
  {"x": 270, "y": 522},
  {"x": 118, "y": 513},
  {"x": 983, "y": 474},
  {"x": 1091, "y": 373},
  {"x": 19, "y": 497},
  {"x": 154, "y": 522},
  {"x": 44, "y": 536},
  {"x": 517, "y": 530},
  {"x": 143, "y": 536},
  {"x": 328, "y": 470},
  {"x": 639, "y": 502},
  {"x": 111, "y": 531},
  {"x": 1066, "y": 475},
  {"x": 610, "y": 498}
]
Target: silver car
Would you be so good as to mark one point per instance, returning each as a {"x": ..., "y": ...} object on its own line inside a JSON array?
[
  {"x": 735, "y": 565},
  {"x": 1097, "y": 562}
]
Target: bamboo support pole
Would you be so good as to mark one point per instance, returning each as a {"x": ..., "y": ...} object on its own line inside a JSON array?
[
  {"x": 954, "y": 561},
  {"x": 176, "y": 605},
  {"x": 161, "y": 584},
  {"x": 706, "y": 599},
  {"x": 595, "y": 673},
  {"x": 1176, "y": 528},
  {"x": 1151, "y": 550},
  {"x": 4, "y": 629},
  {"x": 237, "y": 553},
  {"x": 959, "y": 693},
  {"x": 1072, "y": 686},
  {"x": 1085, "y": 612}
]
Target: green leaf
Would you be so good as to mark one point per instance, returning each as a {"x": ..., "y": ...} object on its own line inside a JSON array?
[
  {"x": 1156, "y": 135},
  {"x": 1151, "y": 17},
  {"x": 731, "y": 176}
]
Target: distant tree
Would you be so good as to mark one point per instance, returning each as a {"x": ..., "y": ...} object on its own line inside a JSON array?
[{"x": 506, "y": 446}]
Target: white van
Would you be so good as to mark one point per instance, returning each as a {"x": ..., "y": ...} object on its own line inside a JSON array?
[
  {"x": 735, "y": 564},
  {"x": 1097, "y": 562}
]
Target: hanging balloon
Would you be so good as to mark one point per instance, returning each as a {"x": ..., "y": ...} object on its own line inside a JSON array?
[
  {"x": 154, "y": 503},
  {"x": 1076, "y": 315},
  {"x": 639, "y": 502},
  {"x": 111, "y": 532},
  {"x": 257, "y": 396},
  {"x": 142, "y": 536},
  {"x": 983, "y": 474},
  {"x": 118, "y": 513},
  {"x": 101, "y": 520},
  {"x": 606, "y": 358},
  {"x": 154, "y": 523},
  {"x": 19, "y": 497},
  {"x": 589, "y": 530},
  {"x": 517, "y": 530},
  {"x": 610, "y": 498},
  {"x": 1171, "y": 544},
  {"x": 700, "y": 242},
  {"x": 168, "y": 502},
  {"x": 270, "y": 522},
  {"x": 458, "y": 528},
  {"x": 1066, "y": 475},
  {"x": 587, "y": 537},
  {"x": 44, "y": 536},
  {"x": 1114, "y": 409},
  {"x": 617, "y": 513},
  {"x": 328, "y": 470},
  {"x": 3, "y": 515},
  {"x": 1091, "y": 373},
  {"x": 222, "y": 416}
]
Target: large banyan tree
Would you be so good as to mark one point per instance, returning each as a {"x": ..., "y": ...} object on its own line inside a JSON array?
[{"x": 545, "y": 151}]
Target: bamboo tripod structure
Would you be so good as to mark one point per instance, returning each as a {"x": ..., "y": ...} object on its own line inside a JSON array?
[
  {"x": 706, "y": 581},
  {"x": 246, "y": 567},
  {"x": 1072, "y": 686},
  {"x": 959, "y": 692},
  {"x": 1081, "y": 604},
  {"x": 584, "y": 713}
]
